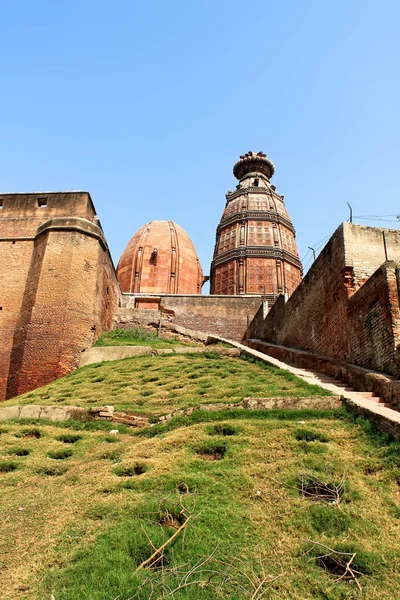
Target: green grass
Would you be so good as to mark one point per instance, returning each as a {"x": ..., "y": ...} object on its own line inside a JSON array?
[
  {"x": 79, "y": 528},
  {"x": 60, "y": 454},
  {"x": 159, "y": 385},
  {"x": 7, "y": 466},
  {"x": 82, "y": 509},
  {"x": 139, "y": 337},
  {"x": 310, "y": 435}
]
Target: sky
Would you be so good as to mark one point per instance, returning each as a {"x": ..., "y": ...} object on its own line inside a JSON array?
[{"x": 148, "y": 105}]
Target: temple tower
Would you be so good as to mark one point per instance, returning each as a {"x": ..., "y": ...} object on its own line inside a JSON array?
[{"x": 255, "y": 249}]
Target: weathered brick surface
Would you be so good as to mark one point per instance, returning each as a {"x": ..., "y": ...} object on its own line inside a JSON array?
[
  {"x": 372, "y": 322},
  {"x": 223, "y": 315},
  {"x": 58, "y": 287},
  {"x": 347, "y": 306}
]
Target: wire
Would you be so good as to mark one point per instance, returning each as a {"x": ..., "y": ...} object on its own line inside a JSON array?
[
  {"x": 305, "y": 256},
  {"x": 375, "y": 216},
  {"x": 316, "y": 247},
  {"x": 378, "y": 219}
]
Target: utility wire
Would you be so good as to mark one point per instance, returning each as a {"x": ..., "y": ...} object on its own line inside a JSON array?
[
  {"x": 376, "y": 216},
  {"x": 315, "y": 246},
  {"x": 377, "y": 219}
]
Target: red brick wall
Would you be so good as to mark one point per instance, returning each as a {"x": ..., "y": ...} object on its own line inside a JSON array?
[
  {"x": 344, "y": 308},
  {"x": 310, "y": 317},
  {"x": 14, "y": 267},
  {"x": 227, "y": 316},
  {"x": 373, "y": 322},
  {"x": 58, "y": 287}
]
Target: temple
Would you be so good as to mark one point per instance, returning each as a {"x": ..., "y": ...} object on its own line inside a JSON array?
[
  {"x": 255, "y": 250},
  {"x": 59, "y": 289}
]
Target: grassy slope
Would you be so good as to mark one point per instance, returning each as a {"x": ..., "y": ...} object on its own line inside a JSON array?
[
  {"x": 73, "y": 526},
  {"x": 158, "y": 385},
  {"x": 139, "y": 337},
  {"x": 81, "y": 533}
]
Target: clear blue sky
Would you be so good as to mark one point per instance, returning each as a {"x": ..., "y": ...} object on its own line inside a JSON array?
[{"x": 147, "y": 105}]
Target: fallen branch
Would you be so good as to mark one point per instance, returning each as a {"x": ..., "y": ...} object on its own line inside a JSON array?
[{"x": 159, "y": 551}]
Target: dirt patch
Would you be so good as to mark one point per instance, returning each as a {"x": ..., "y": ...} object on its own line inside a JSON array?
[
  {"x": 316, "y": 490},
  {"x": 7, "y": 466},
  {"x": 19, "y": 451},
  {"x": 52, "y": 471},
  {"x": 212, "y": 451},
  {"x": 174, "y": 520},
  {"x": 30, "y": 433},
  {"x": 60, "y": 454},
  {"x": 69, "y": 438},
  {"x": 223, "y": 429}
]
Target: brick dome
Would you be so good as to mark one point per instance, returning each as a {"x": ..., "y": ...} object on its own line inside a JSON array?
[
  {"x": 255, "y": 250},
  {"x": 160, "y": 259}
]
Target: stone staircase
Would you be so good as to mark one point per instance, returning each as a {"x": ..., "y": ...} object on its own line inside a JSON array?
[{"x": 329, "y": 380}]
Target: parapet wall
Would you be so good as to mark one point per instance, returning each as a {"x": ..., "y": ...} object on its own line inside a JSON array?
[
  {"x": 58, "y": 286},
  {"x": 223, "y": 315},
  {"x": 347, "y": 306}
]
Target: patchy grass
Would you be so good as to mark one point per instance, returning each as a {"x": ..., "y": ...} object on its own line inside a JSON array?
[
  {"x": 30, "y": 433},
  {"x": 6, "y": 466},
  {"x": 140, "y": 337},
  {"x": 132, "y": 471},
  {"x": 310, "y": 435},
  {"x": 19, "y": 451},
  {"x": 222, "y": 429},
  {"x": 211, "y": 450},
  {"x": 69, "y": 438},
  {"x": 80, "y": 529},
  {"x": 261, "y": 492},
  {"x": 60, "y": 454},
  {"x": 159, "y": 385}
]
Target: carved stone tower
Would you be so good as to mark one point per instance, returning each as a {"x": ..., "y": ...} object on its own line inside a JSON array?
[{"x": 255, "y": 250}]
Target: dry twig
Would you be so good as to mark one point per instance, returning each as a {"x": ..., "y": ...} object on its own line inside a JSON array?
[
  {"x": 159, "y": 551},
  {"x": 348, "y": 571}
]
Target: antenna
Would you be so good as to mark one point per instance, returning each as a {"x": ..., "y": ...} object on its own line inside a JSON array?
[
  {"x": 351, "y": 212},
  {"x": 313, "y": 251}
]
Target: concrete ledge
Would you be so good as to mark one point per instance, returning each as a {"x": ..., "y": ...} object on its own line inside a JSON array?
[
  {"x": 98, "y": 354},
  {"x": 52, "y": 413},
  {"x": 383, "y": 418},
  {"x": 293, "y": 403}
]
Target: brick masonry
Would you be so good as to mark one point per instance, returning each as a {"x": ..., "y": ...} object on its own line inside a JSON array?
[
  {"x": 58, "y": 286},
  {"x": 347, "y": 306},
  {"x": 206, "y": 314}
]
